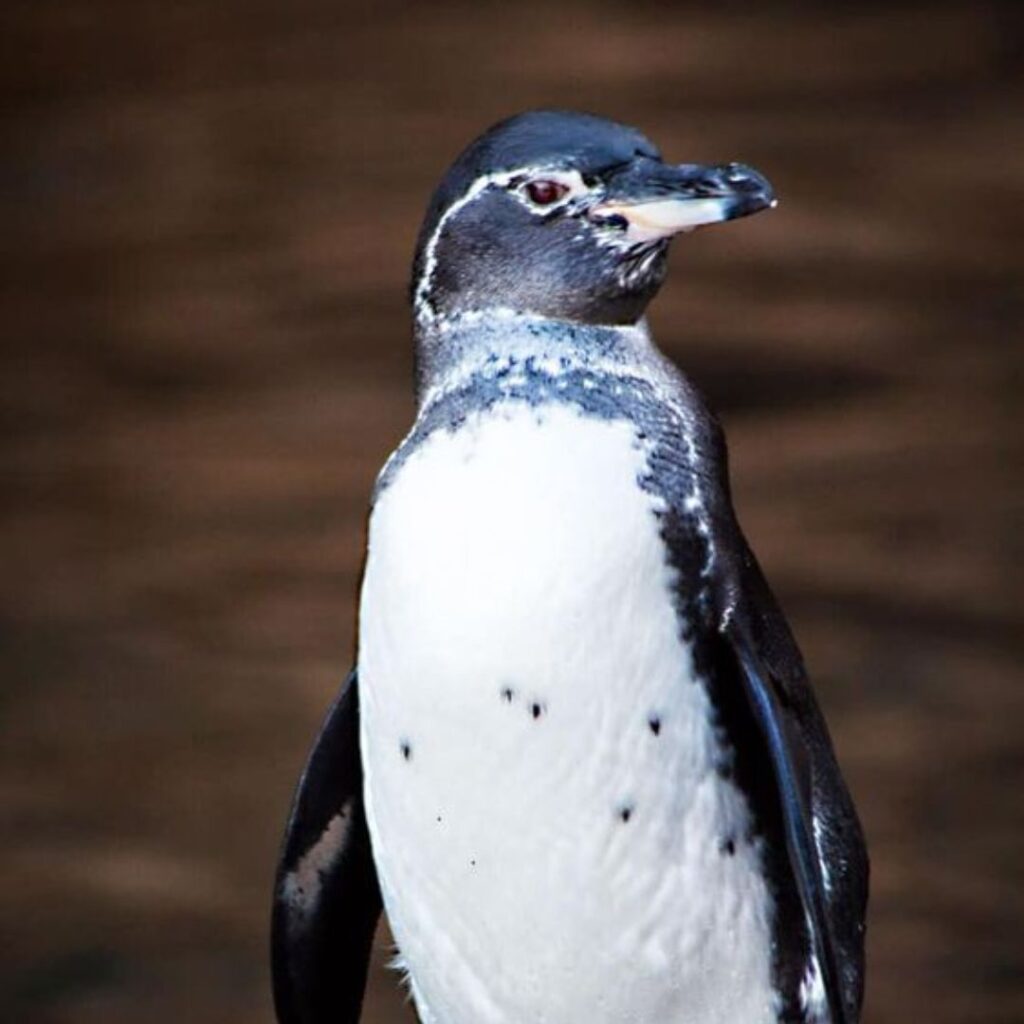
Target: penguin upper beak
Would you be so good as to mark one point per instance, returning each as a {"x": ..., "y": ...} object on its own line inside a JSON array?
[{"x": 657, "y": 200}]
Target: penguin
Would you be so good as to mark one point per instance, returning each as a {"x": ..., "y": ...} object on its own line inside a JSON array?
[{"x": 578, "y": 761}]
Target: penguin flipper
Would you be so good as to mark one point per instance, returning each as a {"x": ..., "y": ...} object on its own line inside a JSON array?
[
  {"x": 326, "y": 895},
  {"x": 818, "y": 815}
]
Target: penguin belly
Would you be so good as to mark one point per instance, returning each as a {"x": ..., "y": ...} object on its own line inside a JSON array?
[{"x": 553, "y": 840}]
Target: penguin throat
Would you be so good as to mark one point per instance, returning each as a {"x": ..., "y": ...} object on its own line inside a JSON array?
[{"x": 494, "y": 342}]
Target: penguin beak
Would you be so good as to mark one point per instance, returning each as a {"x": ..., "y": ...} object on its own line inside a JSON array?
[{"x": 655, "y": 200}]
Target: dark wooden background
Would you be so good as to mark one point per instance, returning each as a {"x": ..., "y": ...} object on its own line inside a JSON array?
[{"x": 207, "y": 213}]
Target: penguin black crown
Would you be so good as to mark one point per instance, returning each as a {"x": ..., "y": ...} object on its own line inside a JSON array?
[{"x": 578, "y": 760}]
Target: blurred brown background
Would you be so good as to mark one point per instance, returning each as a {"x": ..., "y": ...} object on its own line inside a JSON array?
[{"x": 208, "y": 212}]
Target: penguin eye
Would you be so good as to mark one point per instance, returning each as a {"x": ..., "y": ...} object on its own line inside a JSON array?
[{"x": 544, "y": 192}]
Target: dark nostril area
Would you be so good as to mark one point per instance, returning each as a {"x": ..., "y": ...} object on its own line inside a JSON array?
[
  {"x": 704, "y": 180},
  {"x": 710, "y": 180},
  {"x": 741, "y": 178}
]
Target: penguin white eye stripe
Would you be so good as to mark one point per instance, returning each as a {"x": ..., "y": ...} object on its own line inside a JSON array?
[
  {"x": 421, "y": 304},
  {"x": 517, "y": 180}
]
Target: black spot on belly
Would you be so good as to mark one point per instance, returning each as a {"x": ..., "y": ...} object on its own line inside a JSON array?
[
  {"x": 654, "y": 723},
  {"x": 625, "y": 813},
  {"x": 536, "y": 709},
  {"x": 507, "y": 694},
  {"x": 728, "y": 847},
  {"x": 406, "y": 748}
]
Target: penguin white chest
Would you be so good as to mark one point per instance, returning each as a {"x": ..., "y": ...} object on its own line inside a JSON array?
[{"x": 553, "y": 835}]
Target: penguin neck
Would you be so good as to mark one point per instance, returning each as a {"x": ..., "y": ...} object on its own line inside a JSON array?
[{"x": 494, "y": 341}]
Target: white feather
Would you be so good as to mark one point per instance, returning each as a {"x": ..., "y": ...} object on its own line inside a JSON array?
[{"x": 813, "y": 1000}]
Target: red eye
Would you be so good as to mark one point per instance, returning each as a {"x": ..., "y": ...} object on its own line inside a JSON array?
[{"x": 544, "y": 192}]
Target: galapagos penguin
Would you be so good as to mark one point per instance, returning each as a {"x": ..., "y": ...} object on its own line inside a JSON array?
[{"x": 578, "y": 759}]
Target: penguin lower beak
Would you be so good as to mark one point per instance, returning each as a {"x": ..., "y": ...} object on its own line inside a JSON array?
[{"x": 655, "y": 200}]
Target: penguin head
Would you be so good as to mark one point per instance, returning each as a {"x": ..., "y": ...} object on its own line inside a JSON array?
[{"x": 565, "y": 215}]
